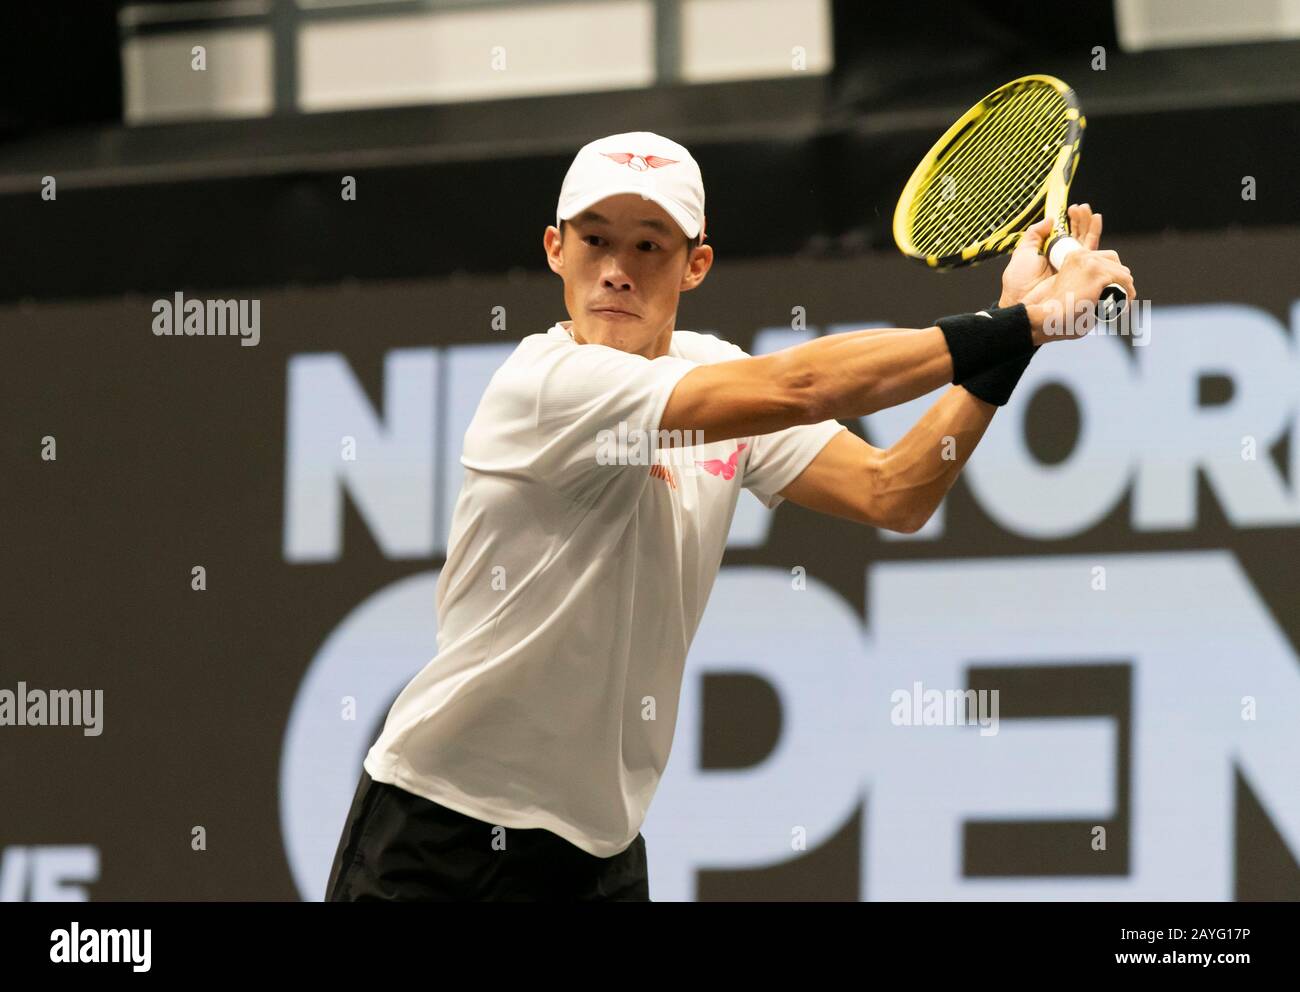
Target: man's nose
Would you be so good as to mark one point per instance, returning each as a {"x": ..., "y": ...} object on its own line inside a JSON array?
[{"x": 616, "y": 276}]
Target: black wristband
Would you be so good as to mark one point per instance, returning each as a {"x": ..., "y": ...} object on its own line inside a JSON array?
[
  {"x": 980, "y": 341},
  {"x": 996, "y": 384}
]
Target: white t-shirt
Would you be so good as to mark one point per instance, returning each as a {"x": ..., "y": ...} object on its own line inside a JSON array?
[{"x": 572, "y": 590}]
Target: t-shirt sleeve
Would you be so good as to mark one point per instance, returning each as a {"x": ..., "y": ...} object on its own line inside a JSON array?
[
  {"x": 596, "y": 410},
  {"x": 777, "y": 458}
]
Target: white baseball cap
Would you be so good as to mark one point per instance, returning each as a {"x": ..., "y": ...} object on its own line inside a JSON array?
[{"x": 635, "y": 162}]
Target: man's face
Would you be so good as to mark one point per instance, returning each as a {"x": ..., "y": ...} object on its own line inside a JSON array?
[{"x": 624, "y": 263}]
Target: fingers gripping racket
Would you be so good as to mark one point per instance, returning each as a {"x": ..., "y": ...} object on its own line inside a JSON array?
[{"x": 1006, "y": 162}]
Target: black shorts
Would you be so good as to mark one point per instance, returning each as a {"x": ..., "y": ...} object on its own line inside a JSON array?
[{"x": 399, "y": 847}]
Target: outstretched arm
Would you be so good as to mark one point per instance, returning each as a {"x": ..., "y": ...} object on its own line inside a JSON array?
[
  {"x": 860, "y": 372},
  {"x": 899, "y": 487}
]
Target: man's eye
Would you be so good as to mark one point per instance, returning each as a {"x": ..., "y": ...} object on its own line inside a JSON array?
[
  {"x": 591, "y": 239},
  {"x": 653, "y": 246}
]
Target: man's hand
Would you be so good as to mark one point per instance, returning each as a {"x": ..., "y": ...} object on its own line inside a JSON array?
[
  {"x": 1029, "y": 266},
  {"x": 1064, "y": 306}
]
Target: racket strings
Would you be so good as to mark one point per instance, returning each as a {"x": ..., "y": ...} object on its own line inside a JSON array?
[
  {"x": 999, "y": 183},
  {"x": 972, "y": 153},
  {"x": 1002, "y": 156},
  {"x": 966, "y": 158},
  {"x": 1001, "y": 166},
  {"x": 1015, "y": 171},
  {"x": 989, "y": 161}
]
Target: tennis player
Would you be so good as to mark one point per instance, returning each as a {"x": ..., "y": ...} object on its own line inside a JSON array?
[{"x": 520, "y": 762}]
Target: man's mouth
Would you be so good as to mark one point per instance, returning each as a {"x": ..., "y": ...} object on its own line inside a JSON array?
[{"x": 614, "y": 312}]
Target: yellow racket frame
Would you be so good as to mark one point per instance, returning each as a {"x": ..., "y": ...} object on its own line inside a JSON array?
[{"x": 1051, "y": 198}]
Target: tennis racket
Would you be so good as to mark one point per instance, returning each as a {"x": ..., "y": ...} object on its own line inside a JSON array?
[{"x": 1005, "y": 163}]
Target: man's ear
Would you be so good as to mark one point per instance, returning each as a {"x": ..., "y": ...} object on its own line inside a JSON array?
[
  {"x": 699, "y": 261},
  {"x": 552, "y": 245}
]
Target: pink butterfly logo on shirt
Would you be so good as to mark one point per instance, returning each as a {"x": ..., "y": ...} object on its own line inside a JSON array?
[{"x": 727, "y": 469}]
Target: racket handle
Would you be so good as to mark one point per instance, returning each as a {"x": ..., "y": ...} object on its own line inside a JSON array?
[{"x": 1113, "y": 300}]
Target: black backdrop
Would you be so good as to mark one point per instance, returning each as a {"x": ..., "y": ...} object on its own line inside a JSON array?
[{"x": 171, "y": 453}]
